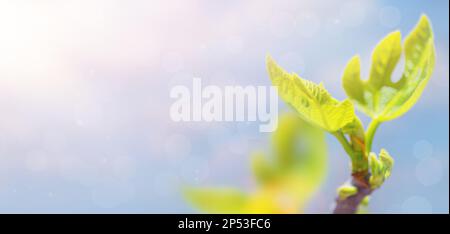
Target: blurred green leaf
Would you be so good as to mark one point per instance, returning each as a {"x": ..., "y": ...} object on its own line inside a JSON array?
[
  {"x": 299, "y": 150},
  {"x": 262, "y": 168},
  {"x": 286, "y": 180},
  {"x": 217, "y": 200}
]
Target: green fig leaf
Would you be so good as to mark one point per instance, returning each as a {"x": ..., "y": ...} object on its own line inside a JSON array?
[
  {"x": 381, "y": 98},
  {"x": 312, "y": 101}
]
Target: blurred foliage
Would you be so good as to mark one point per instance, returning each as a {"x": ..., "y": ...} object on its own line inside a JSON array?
[{"x": 287, "y": 178}]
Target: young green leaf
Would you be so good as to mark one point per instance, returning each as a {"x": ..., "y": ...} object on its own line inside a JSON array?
[
  {"x": 346, "y": 191},
  {"x": 381, "y": 98},
  {"x": 388, "y": 162},
  {"x": 380, "y": 168},
  {"x": 312, "y": 101}
]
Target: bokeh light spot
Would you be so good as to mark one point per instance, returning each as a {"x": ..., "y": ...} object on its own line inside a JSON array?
[
  {"x": 429, "y": 171},
  {"x": 417, "y": 204}
]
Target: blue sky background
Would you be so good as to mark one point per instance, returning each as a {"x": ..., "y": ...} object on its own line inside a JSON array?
[{"x": 84, "y": 99}]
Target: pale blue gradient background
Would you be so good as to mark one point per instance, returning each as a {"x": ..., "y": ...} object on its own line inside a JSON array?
[{"x": 84, "y": 99}]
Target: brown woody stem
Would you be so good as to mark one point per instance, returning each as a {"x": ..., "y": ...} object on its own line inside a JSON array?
[{"x": 350, "y": 204}]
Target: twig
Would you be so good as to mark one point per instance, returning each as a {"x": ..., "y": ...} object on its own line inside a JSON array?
[{"x": 350, "y": 204}]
